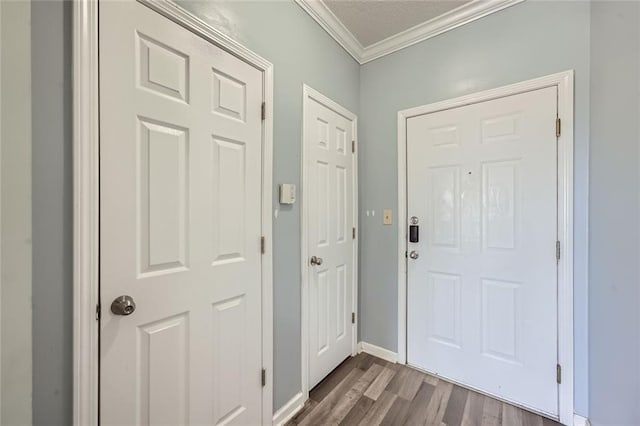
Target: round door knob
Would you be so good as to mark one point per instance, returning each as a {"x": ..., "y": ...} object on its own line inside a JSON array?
[
  {"x": 414, "y": 255},
  {"x": 123, "y": 305},
  {"x": 316, "y": 260}
]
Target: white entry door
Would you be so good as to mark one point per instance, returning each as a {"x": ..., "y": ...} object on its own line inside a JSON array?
[
  {"x": 482, "y": 294},
  {"x": 329, "y": 207},
  {"x": 180, "y": 225}
]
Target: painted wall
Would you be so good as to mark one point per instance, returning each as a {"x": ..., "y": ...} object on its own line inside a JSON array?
[
  {"x": 52, "y": 212},
  {"x": 614, "y": 239},
  {"x": 15, "y": 246},
  {"x": 302, "y": 52},
  {"x": 525, "y": 41}
]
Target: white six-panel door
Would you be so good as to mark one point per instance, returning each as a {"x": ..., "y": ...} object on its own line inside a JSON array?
[
  {"x": 180, "y": 225},
  {"x": 482, "y": 292},
  {"x": 329, "y": 200}
]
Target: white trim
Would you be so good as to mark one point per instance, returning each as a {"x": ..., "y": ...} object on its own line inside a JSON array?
[
  {"x": 308, "y": 92},
  {"x": 455, "y": 18},
  {"x": 319, "y": 11},
  {"x": 85, "y": 213},
  {"x": 564, "y": 82},
  {"x": 377, "y": 351},
  {"x": 290, "y": 409},
  {"x": 86, "y": 197},
  {"x": 578, "y": 420}
]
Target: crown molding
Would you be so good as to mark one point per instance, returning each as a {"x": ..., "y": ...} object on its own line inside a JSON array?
[
  {"x": 455, "y": 18},
  {"x": 319, "y": 11}
]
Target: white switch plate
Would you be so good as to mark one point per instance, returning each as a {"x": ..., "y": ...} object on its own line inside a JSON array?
[
  {"x": 387, "y": 217},
  {"x": 287, "y": 193}
]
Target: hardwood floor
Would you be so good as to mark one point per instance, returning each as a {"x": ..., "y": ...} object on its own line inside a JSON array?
[{"x": 365, "y": 390}]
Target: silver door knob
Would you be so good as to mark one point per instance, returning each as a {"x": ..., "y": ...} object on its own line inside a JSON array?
[
  {"x": 316, "y": 260},
  {"x": 123, "y": 305},
  {"x": 414, "y": 255}
]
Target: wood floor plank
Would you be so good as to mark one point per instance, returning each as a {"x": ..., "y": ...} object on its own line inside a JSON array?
[
  {"x": 438, "y": 403},
  {"x": 411, "y": 384},
  {"x": 306, "y": 409},
  {"x": 473, "y": 409},
  {"x": 492, "y": 413},
  {"x": 418, "y": 410},
  {"x": 366, "y": 391},
  {"x": 432, "y": 380},
  {"x": 397, "y": 413},
  {"x": 349, "y": 399},
  {"x": 455, "y": 407},
  {"x": 379, "y": 409},
  {"x": 358, "y": 412},
  {"x": 380, "y": 383},
  {"x": 511, "y": 416},
  {"x": 333, "y": 379},
  {"x": 323, "y": 409},
  {"x": 396, "y": 383},
  {"x": 531, "y": 419}
]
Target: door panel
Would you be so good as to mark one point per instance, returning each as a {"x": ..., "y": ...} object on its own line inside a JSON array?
[
  {"x": 329, "y": 163},
  {"x": 482, "y": 296},
  {"x": 180, "y": 225}
]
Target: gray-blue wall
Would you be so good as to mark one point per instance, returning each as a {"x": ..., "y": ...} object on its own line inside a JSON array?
[
  {"x": 301, "y": 52},
  {"x": 599, "y": 41},
  {"x": 52, "y": 212},
  {"x": 528, "y": 40},
  {"x": 614, "y": 215}
]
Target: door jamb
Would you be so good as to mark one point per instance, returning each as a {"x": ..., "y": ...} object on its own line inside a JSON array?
[
  {"x": 564, "y": 82},
  {"x": 86, "y": 199},
  {"x": 310, "y": 93}
]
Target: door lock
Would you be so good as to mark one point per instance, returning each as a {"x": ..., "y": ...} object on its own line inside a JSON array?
[
  {"x": 123, "y": 305},
  {"x": 414, "y": 255}
]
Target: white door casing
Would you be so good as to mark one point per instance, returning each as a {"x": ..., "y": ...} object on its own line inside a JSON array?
[
  {"x": 482, "y": 296},
  {"x": 329, "y": 224},
  {"x": 181, "y": 223}
]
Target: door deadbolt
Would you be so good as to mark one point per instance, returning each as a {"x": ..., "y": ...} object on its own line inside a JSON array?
[
  {"x": 414, "y": 255},
  {"x": 123, "y": 305}
]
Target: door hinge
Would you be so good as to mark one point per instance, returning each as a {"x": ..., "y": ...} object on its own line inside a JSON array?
[
  {"x": 353, "y": 146},
  {"x": 263, "y": 111},
  {"x": 558, "y": 373},
  {"x": 263, "y": 245},
  {"x": 353, "y": 233},
  {"x": 353, "y": 317},
  {"x": 558, "y": 127},
  {"x": 557, "y": 250},
  {"x": 98, "y": 312},
  {"x": 263, "y": 377}
]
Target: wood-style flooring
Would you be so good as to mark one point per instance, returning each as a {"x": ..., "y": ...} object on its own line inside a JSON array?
[{"x": 365, "y": 390}]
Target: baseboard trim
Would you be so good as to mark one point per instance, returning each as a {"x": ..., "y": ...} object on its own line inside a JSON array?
[
  {"x": 374, "y": 350},
  {"x": 289, "y": 410},
  {"x": 578, "y": 420}
]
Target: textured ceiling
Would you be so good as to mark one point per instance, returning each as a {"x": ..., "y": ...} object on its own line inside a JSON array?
[{"x": 371, "y": 21}]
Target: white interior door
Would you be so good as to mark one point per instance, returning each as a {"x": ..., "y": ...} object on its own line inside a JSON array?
[
  {"x": 329, "y": 203},
  {"x": 180, "y": 225},
  {"x": 482, "y": 295}
]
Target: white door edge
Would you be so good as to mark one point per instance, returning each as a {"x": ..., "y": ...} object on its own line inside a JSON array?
[
  {"x": 564, "y": 82},
  {"x": 308, "y": 92},
  {"x": 86, "y": 199}
]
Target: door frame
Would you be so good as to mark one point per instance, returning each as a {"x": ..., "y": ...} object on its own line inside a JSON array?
[
  {"x": 564, "y": 82},
  {"x": 86, "y": 261},
  {"x": 310, "y": 93}
]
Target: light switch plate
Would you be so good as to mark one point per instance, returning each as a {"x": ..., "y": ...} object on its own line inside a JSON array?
[
  {"x": 387, "y": 217},
  {"x": 287, "y": 193}
]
